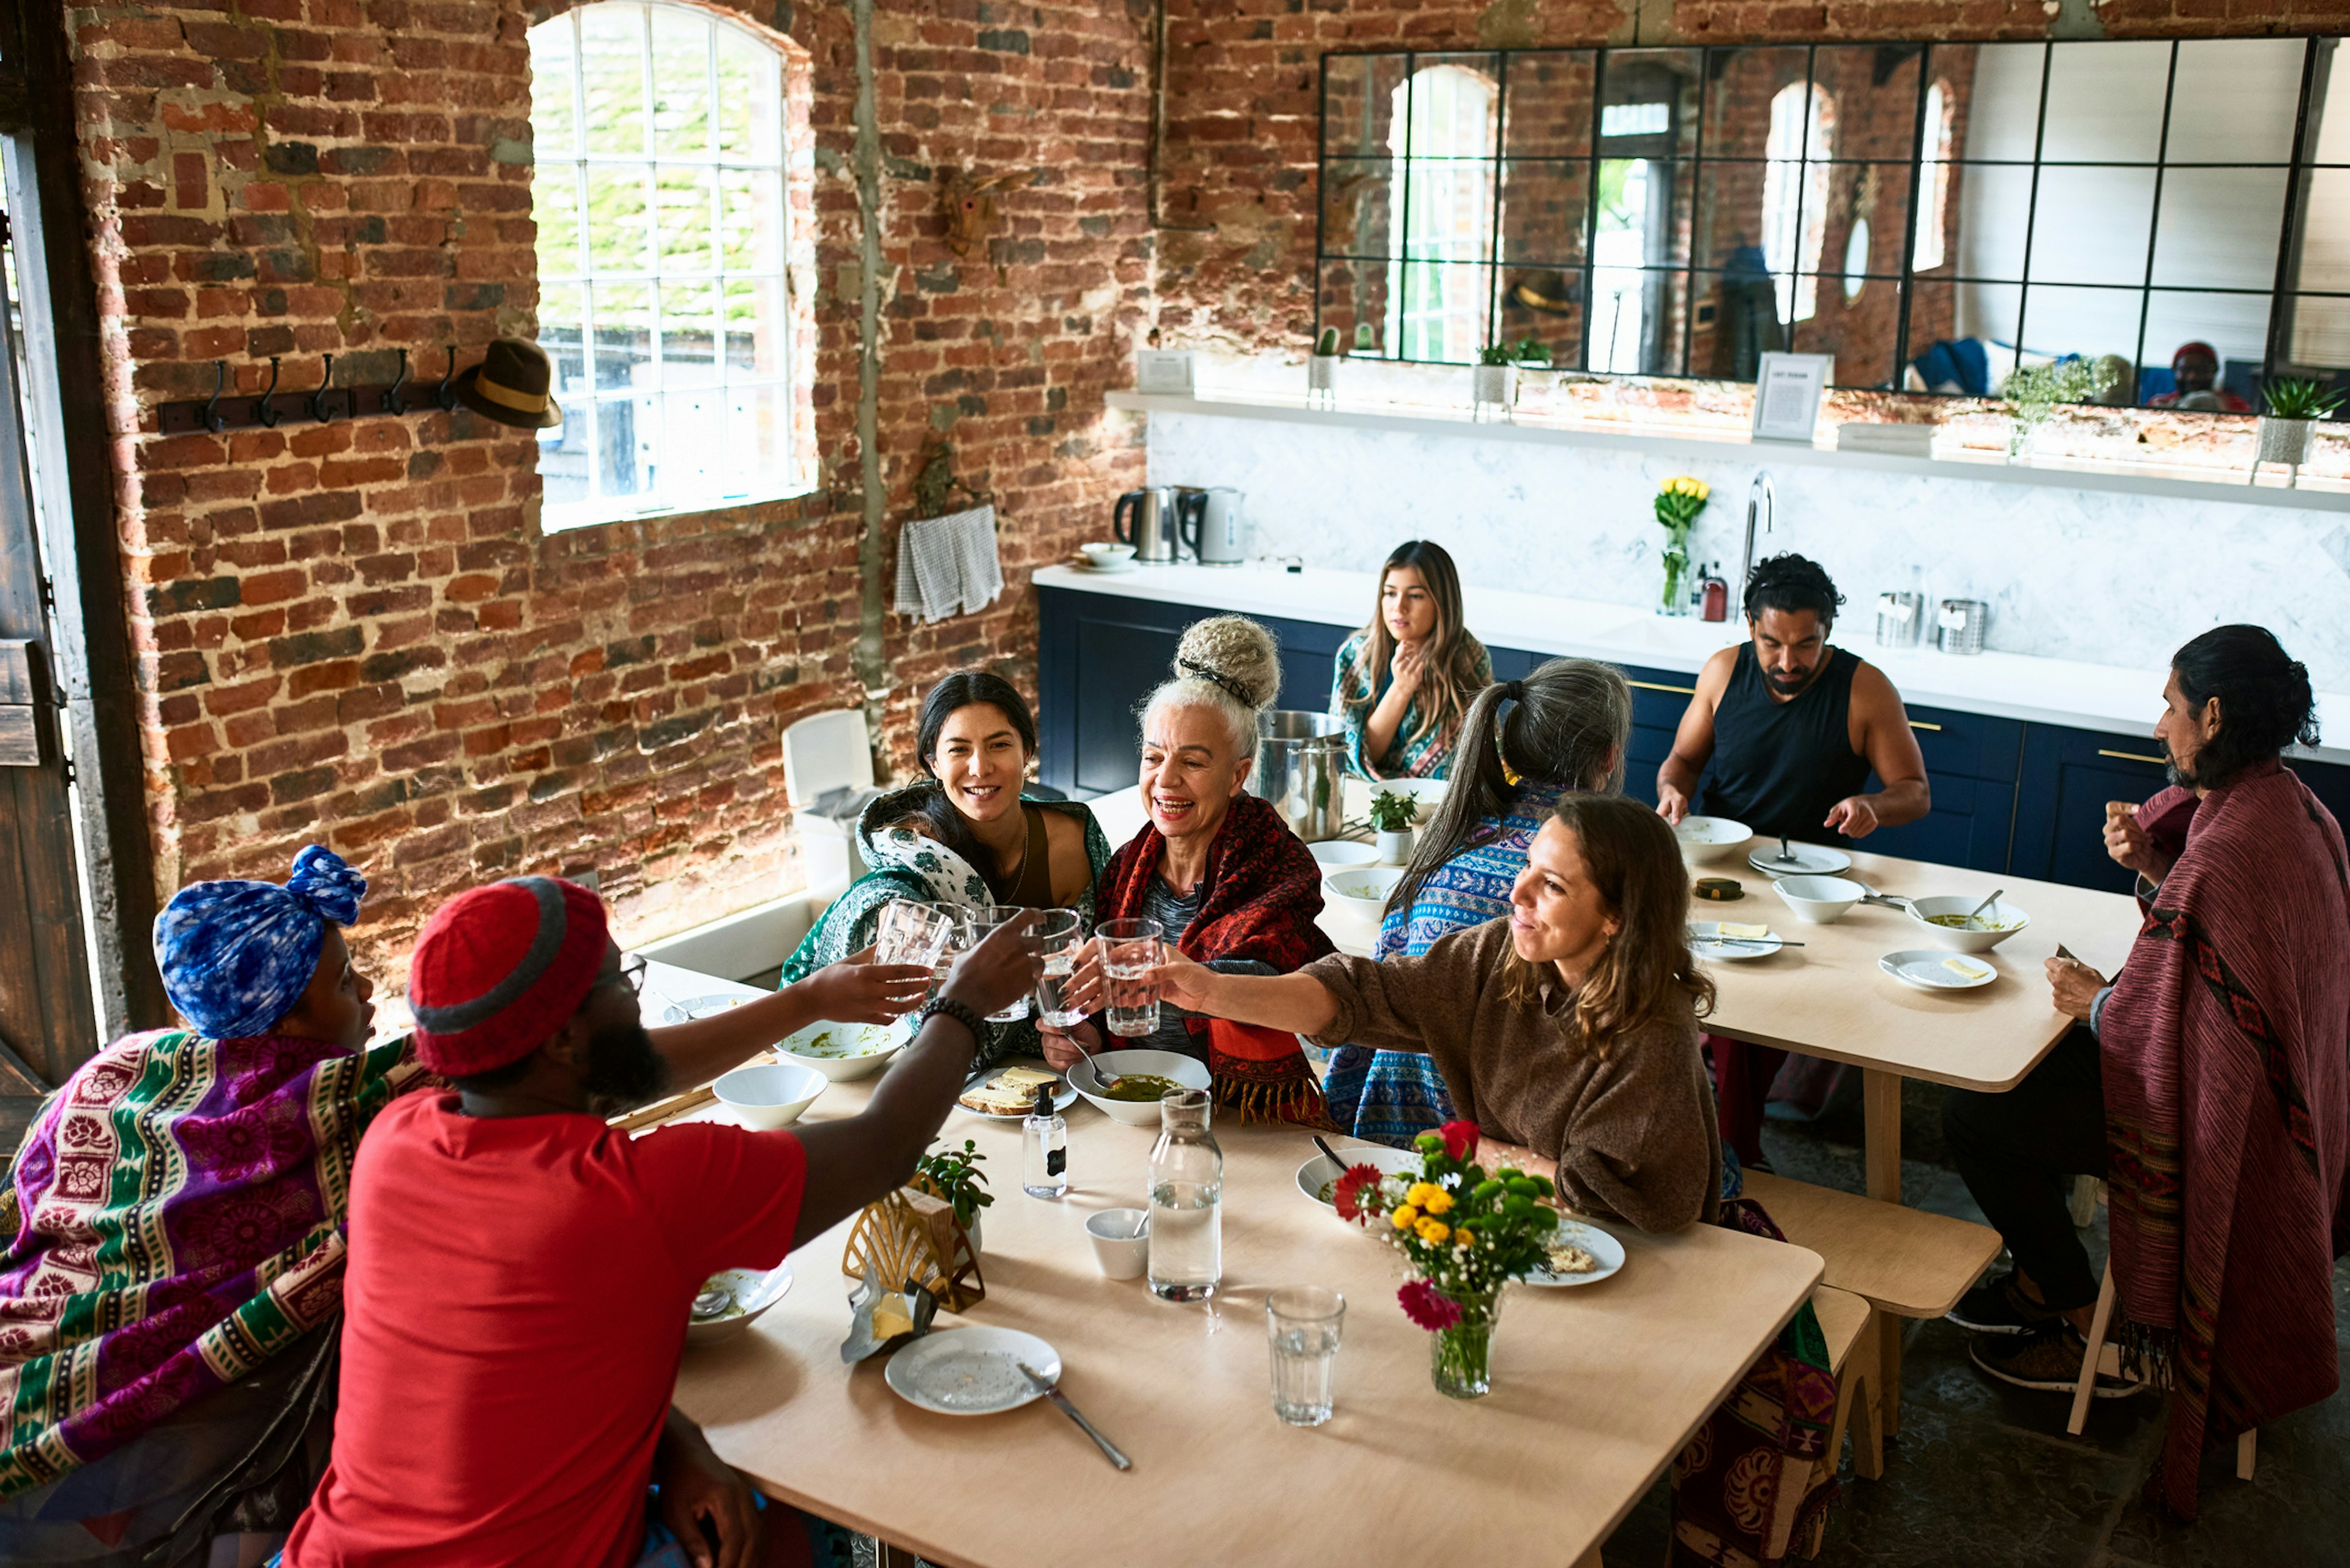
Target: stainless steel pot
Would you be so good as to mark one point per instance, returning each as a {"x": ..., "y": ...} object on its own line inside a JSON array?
[{"x": 1300, "y": 771}]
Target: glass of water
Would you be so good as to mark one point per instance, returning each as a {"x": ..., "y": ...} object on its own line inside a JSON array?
[
  {"x": 977, "y": 927},
  {"x": 1302, "y": 1321},
  {"x": 1130, "y": 955},
  {"x": 1060, "y": 939},
  {"x": 912, "y": 932}
]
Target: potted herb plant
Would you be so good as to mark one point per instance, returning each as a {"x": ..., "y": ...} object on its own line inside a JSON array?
[
  {"x": 1322, "y": 371},
  {"x": 954, "y": 1174},
  {"x": 2033, "y": 392},
  {"x": 1391, "y": 818},
  {"x": 2290, "y": 405}
]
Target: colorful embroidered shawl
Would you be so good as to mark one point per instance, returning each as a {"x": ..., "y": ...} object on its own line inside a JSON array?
[
  {"x": 173, "y": 1219},
  {"x": 905, "y": 865},
  {"x": 1416, "y": 751},
  {"x": 2228, "y": 1113},
  {"x": 1264, "y": 891}
]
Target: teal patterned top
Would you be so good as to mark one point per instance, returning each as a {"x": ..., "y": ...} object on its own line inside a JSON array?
[{"x": 1411, "y": 754}]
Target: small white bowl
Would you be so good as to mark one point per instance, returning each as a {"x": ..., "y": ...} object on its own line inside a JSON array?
[
  {"x": 1958, "y": 938},
  {"x": 1819, "y": 900},
  {"x": 857, "y": 1048},
  {"x": 1182, "y": 1069},
  {"x": 1103, "y": 553},
  {"x": 1122, "y": 1255},
  {"x": 1321, "y": 1170},
  {"x": 1710, "y": 838},
  {"x": 771, "y": 1094},
  {"x": 1339, "y": 854},
  {"x": 754, "y": 1293},
  {"x": 1362, "y": 890}
]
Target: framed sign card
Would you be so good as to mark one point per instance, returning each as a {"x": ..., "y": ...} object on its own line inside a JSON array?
[{"x": 1787, "y": 389}]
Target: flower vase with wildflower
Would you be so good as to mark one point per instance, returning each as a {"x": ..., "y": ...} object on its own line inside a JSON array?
[
  {"x": 1678, "y": 501},
  {"x": 1465, "y": 1233}
]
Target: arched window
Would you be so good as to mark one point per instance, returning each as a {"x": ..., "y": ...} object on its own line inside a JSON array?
[
  {"x": 660, "y": 200},
  {"x": 1933, "y": 181},
  {"x": 1795, "y": 196},
  {"x": 1439, "y": 290}
]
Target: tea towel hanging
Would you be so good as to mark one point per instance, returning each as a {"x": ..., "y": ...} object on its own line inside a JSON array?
[{"x": 948, "y": 566}]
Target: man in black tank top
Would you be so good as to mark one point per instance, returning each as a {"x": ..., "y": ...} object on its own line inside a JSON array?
[
  {"x": 1791, "y": 726},
  {"x": 1793, "y": 729}
]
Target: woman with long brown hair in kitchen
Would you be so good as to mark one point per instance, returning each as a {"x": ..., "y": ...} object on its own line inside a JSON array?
[{"x": 1405, "y": 682}]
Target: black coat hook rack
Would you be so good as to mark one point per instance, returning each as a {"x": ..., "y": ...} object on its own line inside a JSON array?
[{"x": 270, "y": 407}]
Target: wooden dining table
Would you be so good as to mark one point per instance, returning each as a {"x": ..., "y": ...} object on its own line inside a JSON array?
[{"x": 1596, "y": 1387}]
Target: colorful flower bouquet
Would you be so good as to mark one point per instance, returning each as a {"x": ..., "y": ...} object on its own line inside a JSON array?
[
  {"x": 1465, "y": 1234},
  {"x": 1678, "y": 501}
]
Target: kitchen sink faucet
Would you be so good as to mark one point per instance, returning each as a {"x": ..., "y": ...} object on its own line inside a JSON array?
[{"x": 1759, "y": 501}]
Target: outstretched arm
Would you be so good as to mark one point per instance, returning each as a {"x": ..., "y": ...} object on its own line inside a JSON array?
[
  {"x": 853, "y": 990},
  {"x": 1296, "y": 1003},
  {"x": 1693, "y": 742}
]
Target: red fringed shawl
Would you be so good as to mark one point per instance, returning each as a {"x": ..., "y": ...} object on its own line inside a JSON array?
[
  {"x": 1264, "y": 891},
  {"x": 2227, "y": 1114}
]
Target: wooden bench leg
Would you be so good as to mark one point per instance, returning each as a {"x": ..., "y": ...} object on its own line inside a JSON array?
[
  {"x": 2085, "y": 1388},
  {"x": 1590, "y": 1559},
  {"x": 2085, "y": 1201},
  {"x": 2245, "y": 1446},
  {"x": 890, "y": 1556},
  {"x": 1880, "y": 1093},
  {"x": 1856, "y": 1392}
]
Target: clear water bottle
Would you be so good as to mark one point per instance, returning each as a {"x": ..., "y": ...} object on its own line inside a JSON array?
[
  {"x": 1187, "y": 1201},
  {"x": 1044, "y": 1159}
]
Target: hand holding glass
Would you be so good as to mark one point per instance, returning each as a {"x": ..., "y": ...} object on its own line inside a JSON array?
[
  {"x": 976, "y": 926},
  {"x": 1129, "y": 961},
  {"x": 912, "y": 933},
  {"x": 1058, "y": 937}
]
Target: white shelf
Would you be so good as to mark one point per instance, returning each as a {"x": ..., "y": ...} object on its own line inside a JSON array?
[{"x": 2176, "y": 484}]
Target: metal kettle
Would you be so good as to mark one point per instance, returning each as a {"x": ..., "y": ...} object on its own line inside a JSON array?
[
  {"x": 1146, "y": 519},
  {"x": 1213, "y": 527}
]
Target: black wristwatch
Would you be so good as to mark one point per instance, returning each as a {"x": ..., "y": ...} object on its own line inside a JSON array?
[{"x": 962, "y": 1014}]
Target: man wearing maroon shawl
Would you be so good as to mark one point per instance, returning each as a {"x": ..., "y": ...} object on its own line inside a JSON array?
[{"x": 2208, "y": 1089}]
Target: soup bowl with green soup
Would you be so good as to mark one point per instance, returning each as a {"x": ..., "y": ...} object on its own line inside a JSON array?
[
  {"x": 1945, "y": 922},
  {"x": 1143, "y": 1077}
]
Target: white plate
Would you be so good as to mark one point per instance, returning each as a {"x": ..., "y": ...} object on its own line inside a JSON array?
[
  {"x": 971, "y": 1370},
  {"x": 1063, "y": 1097},
  {"x": 691, "y": 1007},
  {"x": 1734, "y": 948},
  {"x": 1607, "y": 1249},
  {"x": 1922, "y": 969},
  {"x": 1811, "y": 860},
  {"x": 1084, "y": 565}
]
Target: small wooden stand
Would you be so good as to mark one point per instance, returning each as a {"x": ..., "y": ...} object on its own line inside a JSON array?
[{"x": 911, "y": 1235}]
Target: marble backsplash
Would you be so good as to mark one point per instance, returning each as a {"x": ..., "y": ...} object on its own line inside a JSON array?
[{"x": 2092, "y": 576}]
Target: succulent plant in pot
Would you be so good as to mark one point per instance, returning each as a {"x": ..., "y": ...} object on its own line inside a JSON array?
[
  {"x": 2291, "y": 405},
  {"x": 1392, "y": 814},
  {"x": 1322, "y": 369}
]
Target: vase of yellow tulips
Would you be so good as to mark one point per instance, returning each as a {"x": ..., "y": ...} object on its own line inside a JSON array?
[{"x": 1678, "y": 501}]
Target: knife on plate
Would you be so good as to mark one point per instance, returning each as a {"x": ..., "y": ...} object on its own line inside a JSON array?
[{"x": 1052, "y": 1391}]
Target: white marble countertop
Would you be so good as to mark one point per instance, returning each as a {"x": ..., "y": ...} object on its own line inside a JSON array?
[{"x": 2105, "y": 697}]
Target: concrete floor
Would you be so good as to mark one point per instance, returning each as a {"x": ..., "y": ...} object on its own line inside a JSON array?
[{"x": 1983, "y": 1475}]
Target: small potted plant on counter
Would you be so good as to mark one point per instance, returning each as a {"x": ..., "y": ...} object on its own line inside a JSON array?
[
  {"x": 1321, "y": 371},
  {"x": 2291, "y": 406},
  {"x": 1392, "y": 817},
  {"x": 2033, "y": 392},
  {"x": 953, "y": 1175},
  {"x": 1493, "y": 379}
]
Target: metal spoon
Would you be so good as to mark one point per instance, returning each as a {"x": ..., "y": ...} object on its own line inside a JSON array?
[
  {"x": 1976, "y": 913},
  {"x": 1323, "y": 1145},
  {"x": 1103, "y": 1080},
  {"x": 1786, "y": 856}
]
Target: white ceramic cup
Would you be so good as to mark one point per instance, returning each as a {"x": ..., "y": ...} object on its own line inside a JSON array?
[{"x": 1121, "y": 1254}]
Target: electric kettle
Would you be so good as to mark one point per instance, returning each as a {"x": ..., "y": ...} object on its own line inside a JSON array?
[
  {"x": 1212, "y": 527},
  {"x": 1145, "y": 520}
]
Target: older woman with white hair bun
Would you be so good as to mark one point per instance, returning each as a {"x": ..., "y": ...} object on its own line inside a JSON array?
[{"x": 1228, "y": 882}]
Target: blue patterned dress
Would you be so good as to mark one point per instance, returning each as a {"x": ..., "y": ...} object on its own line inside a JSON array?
[
  {"x": 1410, "y": 754},
  {"x": 1393, "y": 1097}
]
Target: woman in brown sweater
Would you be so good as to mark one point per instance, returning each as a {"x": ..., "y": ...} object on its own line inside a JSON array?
[{"x": 1568, "y": 1027}]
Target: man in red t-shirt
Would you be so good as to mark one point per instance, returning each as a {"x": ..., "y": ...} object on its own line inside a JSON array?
[{"x": 521, "y": 1273}]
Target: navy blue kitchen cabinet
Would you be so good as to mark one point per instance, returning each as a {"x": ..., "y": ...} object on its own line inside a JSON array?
[{"x": 2060, "y": 815}]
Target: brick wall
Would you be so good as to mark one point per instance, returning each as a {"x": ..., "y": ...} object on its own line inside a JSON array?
[{"x": 358, "y": 632}]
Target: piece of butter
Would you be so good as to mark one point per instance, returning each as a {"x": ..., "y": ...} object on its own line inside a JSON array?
[
  {"x": 1743, "y": 930},
  {"x": 1964, "y": 967},
  {"x": 889, "y": 1318},
  {"x": 1012, "y": 1077}
]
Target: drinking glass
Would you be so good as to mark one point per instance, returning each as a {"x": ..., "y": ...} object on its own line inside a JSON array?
[
  {"x": 958, "y": 942},
  {"x": 977, "y": 926},
  {"x": 1059, "y": 936},
  {"x": 1129, "y": 953},
  {"x": 912, "y": 933},
  {"x": 1303, "y": 1323}
]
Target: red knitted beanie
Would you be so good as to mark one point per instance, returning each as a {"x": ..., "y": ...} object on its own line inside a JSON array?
[{"x": 498, "y": 970}]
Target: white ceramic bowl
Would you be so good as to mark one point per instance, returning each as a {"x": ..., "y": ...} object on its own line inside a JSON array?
[
  {"x": 1339, "y": 854},
  {"x": 1708, "y": 838},
  {"x": 847, "y": 1050},
  {"x": 1362, "y": 890},
  {"x": 2006, "y": 916},
  {"x": 1819, "y": 900},
  {"x": 1183, "y": 1070},
  {"x": 771, "y": 1094},
  {"x": 754, "y": 1293},
  {"x": 1316, "y": 1173},
  {"x": 1103, "y": 553},
  {"x": 1122, "y": 1255}
]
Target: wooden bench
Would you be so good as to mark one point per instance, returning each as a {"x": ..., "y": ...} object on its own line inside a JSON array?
[{"x": 1903, "y": 1261}]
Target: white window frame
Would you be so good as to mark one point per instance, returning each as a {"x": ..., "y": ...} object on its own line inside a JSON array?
[
  {"x": 1795, "y": 196},
  {"x": 1448, "y": 217},
  {"x": 1931, "y": 248},
  {"x": 587, "y": 403}
]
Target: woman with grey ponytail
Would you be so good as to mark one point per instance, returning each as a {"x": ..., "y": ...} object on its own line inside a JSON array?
[{"x": 1523, "y": 744}]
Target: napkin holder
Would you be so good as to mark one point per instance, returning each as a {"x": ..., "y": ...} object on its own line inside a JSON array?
[
  {"x": 911, "y": 1235},
  {"x": 883, "y": 1320}
]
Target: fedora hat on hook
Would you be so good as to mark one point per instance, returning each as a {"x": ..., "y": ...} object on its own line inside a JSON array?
[{"x": 511, "y": 385}]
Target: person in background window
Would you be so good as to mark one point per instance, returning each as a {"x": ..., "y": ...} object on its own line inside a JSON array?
[
  {"x": 1403, "y": 682},
  {"x": 964, "y": 836},
  {"x": 1566, "y": 729},
  {"x": 2195, "y": 374}
]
